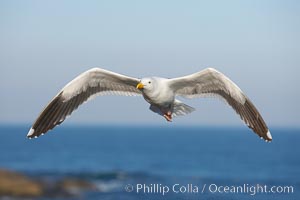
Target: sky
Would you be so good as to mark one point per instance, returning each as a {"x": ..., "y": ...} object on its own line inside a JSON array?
[{"x": 45, "y": 44}]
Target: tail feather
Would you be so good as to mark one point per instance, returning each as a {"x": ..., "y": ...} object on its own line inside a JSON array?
[{"x": 180, "y": 109}]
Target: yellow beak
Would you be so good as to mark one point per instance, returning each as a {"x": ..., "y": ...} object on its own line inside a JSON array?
[{"x": 140, "y": 86}]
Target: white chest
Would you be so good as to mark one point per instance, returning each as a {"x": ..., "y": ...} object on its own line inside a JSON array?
[{"x": 161, "y": 97}]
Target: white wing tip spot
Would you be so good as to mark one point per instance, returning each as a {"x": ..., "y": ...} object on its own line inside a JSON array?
[
  {"x": 31, "y": 132},
  {"x": 269, "y": 135}
]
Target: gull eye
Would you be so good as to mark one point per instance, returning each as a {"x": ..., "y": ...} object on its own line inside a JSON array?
[{"x": 149, "y": 82}]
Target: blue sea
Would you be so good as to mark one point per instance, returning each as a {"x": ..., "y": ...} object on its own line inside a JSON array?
[{"x": 153, "y": 162}]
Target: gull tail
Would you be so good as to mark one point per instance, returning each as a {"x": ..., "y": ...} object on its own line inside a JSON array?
[{"x": 180, "y": 109}]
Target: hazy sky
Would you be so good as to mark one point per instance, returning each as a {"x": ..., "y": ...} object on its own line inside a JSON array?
[{"x": 45, "y": 44}]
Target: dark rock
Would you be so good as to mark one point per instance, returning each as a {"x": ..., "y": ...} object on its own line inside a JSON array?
[
  {"x": 18, "y": 185},
  {"x": 15, "y": 184}
]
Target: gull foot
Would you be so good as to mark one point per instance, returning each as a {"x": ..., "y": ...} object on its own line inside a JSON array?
[{"x": 168, "y": 116}]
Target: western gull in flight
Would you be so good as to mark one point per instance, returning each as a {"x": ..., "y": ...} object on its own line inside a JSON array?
[{"x": 159, "y": 92}]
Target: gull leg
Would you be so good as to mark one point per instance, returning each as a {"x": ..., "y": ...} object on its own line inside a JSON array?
[{"x": 168, "y": 116}]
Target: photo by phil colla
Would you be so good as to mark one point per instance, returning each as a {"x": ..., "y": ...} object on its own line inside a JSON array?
[{"x": 207, "y": 188}]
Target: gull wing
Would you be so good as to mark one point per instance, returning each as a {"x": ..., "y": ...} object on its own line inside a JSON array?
[
  {"x": 93, "y": 82},
  {"x": 210, "y": 82}
]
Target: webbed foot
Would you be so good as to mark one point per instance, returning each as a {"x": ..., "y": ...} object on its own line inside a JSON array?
[{"x": 168, "y": 116}]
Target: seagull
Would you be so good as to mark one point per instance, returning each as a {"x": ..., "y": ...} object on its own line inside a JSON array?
[{"x": 159, "y": 92}]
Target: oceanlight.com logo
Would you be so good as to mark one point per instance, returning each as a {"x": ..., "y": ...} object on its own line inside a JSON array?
[{"x": 177, "y": 188}]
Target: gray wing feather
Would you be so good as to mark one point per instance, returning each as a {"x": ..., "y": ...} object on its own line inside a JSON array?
[
  {"x": 210, "y": 82},
  {"x": 93, "y": 82}
]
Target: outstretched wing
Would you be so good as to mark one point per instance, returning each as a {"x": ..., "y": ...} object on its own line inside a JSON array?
[
  {"x": 93, "y": 82},
  {"x": 210, "y": 82}
]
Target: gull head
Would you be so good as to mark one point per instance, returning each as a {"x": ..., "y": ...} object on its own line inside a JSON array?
[{"x": 146, "y": 84}]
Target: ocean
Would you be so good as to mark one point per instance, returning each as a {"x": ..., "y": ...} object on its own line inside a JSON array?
[{"x": 158, "y": 162}]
